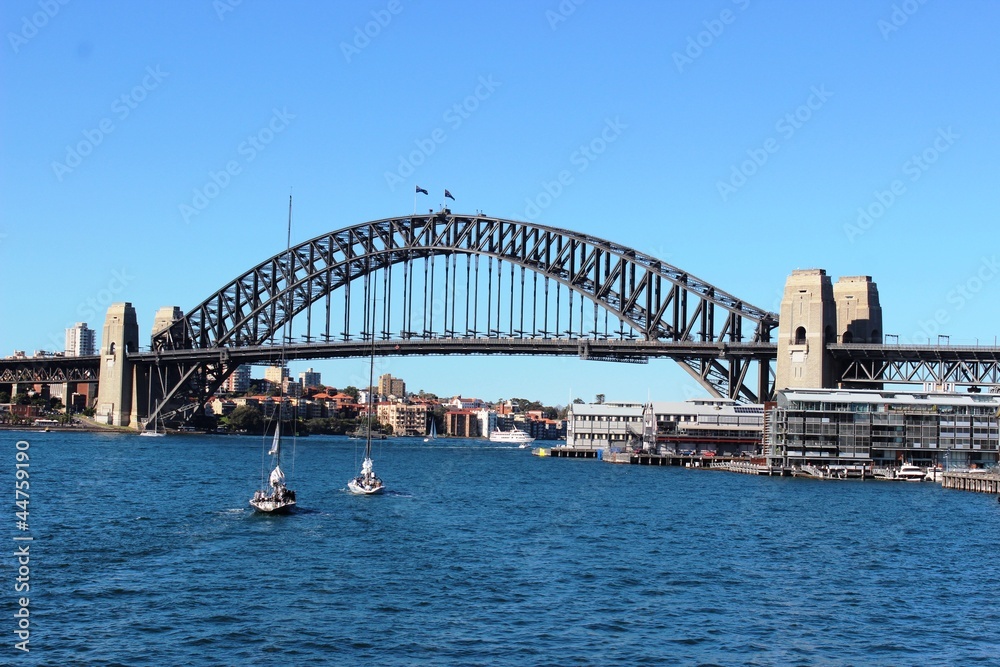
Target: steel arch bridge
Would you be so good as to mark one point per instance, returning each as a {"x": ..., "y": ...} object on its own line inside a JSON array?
[{"x": 446, "y": 283}]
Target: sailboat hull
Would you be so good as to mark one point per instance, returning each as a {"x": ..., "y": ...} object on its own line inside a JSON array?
[
  {"x": 361, "y": 490},
  {"x": 273, "y": 506}
]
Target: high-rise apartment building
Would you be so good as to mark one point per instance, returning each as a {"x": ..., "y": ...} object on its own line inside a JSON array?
[
  {"x": 390, "y": 386},
  {"x": 239, "y": 381},
  {"x": 275, "y": 374},
  {"x": 309, "y": 378},
  {"x": 79, "y": 340}
]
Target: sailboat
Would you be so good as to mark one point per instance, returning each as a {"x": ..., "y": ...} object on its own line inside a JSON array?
[
  {"x": 433, "y": 433},
  {"x": 274, "y": 497},
  {"x": 367, "y": 483},
  {"x": 157, "y": 431},
  {"x": 279, "y": 498}
]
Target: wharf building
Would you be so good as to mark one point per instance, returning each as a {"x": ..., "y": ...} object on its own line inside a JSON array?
[
  {"x": 865, "y": 428},
  {"x": 693, "y": 427},
  {"x": 708, "y": 426},
  {"x": 593, "y": 426}
]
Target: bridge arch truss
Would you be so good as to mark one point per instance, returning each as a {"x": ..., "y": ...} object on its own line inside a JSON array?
[{"x": 466, "y": 278}]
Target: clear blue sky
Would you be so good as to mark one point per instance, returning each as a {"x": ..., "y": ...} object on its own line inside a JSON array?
[{"x": 832, "y": 100}]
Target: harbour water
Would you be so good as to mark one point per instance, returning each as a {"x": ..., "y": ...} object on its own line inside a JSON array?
[{"x": 145, "y": 552}]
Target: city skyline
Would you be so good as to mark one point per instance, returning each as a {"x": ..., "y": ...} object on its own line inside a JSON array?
[{"x": 737, "y": 141}]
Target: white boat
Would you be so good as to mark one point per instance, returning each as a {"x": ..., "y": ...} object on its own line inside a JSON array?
[
  {"x": 367, "y": 483},
  {"x": 277, "y": 498},
  {"x": 515, "y": 436},
  {"x": 433, "y": 434},
  {"x": 910, "y": 473},
  {"x": 935, "y": 474},
  {"x": 273, "y": 496}
]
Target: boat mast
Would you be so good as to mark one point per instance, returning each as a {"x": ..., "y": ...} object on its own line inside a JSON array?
[
  {"x": 286, "y": 333},
  {"x": 371, "y": 379}
]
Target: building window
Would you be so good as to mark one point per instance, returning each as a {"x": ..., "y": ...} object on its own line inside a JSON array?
[{"x": 800, "y": 336}]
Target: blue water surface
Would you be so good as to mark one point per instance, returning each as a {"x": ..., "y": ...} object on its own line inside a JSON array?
[{"x": 145, "y": 552}]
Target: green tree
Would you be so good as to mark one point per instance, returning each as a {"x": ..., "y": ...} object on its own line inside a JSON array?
[
  {"x": 4, "y": 397},
  {"x": 351, "y": 391},
  {"x": 246, "y": 418}
]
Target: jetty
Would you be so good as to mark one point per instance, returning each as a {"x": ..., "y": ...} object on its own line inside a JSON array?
[{"x": 979, "y": 481}]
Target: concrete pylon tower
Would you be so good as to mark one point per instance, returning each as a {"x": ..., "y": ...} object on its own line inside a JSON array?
[
  {"x": 859, "y": 315},
  {"x": 121, "y": 335},
  {"x": 807, "y": 321},
  {"x": 149, "y": 380}
]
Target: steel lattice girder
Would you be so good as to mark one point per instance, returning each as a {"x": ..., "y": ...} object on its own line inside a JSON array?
[
  {"x": 50, "y": 370},
  {"x": 917, "y": 371}
]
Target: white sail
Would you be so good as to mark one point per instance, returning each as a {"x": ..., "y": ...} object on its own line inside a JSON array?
[
  {"x": 277, "y": 476},
  {"x": 276, "y": 443}
]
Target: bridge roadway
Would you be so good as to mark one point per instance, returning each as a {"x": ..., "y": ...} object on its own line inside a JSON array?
[
  {"x": 634, "y": 351},
  {"x": 861, "y": 363}
]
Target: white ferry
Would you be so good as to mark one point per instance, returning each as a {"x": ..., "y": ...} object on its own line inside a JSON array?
[{"x": 515, "y": 436}]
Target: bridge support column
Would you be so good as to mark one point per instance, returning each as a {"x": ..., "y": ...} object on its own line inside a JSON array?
[
  {"x": 807, "y": 323},
  {"x": 121, "y": 336}
]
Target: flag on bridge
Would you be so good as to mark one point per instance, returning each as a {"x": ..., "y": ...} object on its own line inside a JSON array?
[
  {"x": 448, "y": 195},
  {"x": 420, "y": 189}
]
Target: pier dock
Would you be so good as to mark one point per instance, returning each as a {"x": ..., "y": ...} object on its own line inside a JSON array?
[{"x": 981, "y": 482}]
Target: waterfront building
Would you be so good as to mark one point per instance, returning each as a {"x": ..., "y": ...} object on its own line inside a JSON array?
[
  {"x": 462, "y": 424},
  {"x": 309, "y": 378},
  {"x": 390, "y": 386},
  {"x": 405, "y": 419},
  {"x": 545, "y": 429},
  {"x": 79, "y": 340},
  {"x": 862, "y": 428},
  {"x": 605, "y": 425},
  {"x": 487, "y": 421},
  {"x": 716, "y": 425}
]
